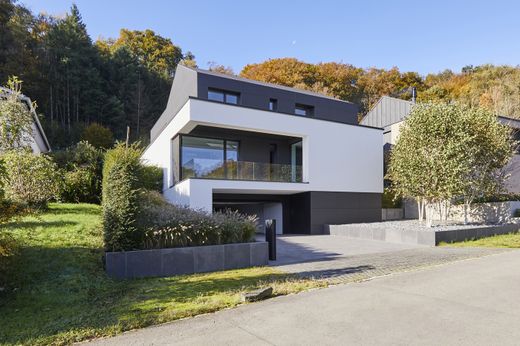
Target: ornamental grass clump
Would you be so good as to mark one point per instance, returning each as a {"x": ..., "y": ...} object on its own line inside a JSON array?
[{"x": 175, "y": 226}]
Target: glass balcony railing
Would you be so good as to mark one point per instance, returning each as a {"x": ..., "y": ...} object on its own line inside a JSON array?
[{"x": 241, "y": 170}]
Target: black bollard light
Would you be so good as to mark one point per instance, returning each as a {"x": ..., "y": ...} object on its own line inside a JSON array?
[{"x": 270, "y": 237}]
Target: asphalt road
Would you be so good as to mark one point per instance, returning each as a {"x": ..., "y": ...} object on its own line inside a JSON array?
[{"x": 469, "y": 302}]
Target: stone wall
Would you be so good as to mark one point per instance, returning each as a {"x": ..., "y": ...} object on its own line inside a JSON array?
[
  {"x": 497, "y": 212},
  {"x": 187, "y": 260}
]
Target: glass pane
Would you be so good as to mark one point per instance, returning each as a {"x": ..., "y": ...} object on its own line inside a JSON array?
[
  {"x": 202, "y": 157},
  {"x": 232, "y": 150},
  {"x": 232, "y": 98},
  {"x": 216, "y": 95},
  {"x": 300, "y": 111},
  {"x": 272, "y": 105},
  {"x": 231, "y": 159}
]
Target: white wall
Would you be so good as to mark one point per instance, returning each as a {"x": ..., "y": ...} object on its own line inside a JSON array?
[
  {"x": 274, "y": 211},
  {"x": 336, "y": 156}
]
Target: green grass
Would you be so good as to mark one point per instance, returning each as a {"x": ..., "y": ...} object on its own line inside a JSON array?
[
  {"x": 59, "y": 293},
  {"x": 511, "y": 240}
]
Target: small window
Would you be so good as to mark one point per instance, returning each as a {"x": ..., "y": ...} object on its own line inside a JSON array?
[
  {"x": 216, "y": 95},
  {"x": 273, "y": 104},
  {"x": 231, "y": 98},
  {"x": 303, "y": 110},
  {"x": 223, "y": 96}
]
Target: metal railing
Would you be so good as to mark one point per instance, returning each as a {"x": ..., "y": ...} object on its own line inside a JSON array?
[{"x": 241, "y": 170}]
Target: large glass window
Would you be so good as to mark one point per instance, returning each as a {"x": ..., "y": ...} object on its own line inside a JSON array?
[
  {"x": 201, "y": 157},
  {"x": 205, "y": 157}
]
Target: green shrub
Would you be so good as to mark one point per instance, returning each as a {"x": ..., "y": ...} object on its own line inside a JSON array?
[
  {"x": 389, "y": 200},
  {"x": 98, "y": 135},
  {"x": 151, "y": 178},
  {"x": 167, "y": 225},
  {"x": 30, "y": 179},
  {"x": 120, "y": 200},
  {"x": 82, "y": 165}
]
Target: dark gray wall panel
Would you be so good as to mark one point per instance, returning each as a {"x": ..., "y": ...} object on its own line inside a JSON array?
[
  {"x": 257, "y": 96},
  {"x": 308, "y": 212},
  {"x": 342, "y": 208}
]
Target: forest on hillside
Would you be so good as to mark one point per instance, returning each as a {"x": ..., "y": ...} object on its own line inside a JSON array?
[{"x": 125, "y": 81}]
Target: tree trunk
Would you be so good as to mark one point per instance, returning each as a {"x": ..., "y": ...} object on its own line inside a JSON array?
[{"x": 428, "y": 209}]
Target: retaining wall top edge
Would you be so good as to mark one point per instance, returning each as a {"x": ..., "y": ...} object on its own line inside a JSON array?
[{"x": 184, "y": 247}]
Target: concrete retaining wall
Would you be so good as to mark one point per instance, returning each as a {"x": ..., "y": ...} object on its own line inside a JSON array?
[
  {"x": 388, "y": 214},
  {"x": 187, "y": 260},
  {"x": 430, "y": 238},
  {"x": 496, "y": 212}
]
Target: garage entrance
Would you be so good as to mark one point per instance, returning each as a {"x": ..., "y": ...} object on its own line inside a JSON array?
[{"x": 262, "y": 210}]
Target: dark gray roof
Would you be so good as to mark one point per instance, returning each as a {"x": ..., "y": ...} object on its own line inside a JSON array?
[
  {"x": 387, "y": 111},
  {"x": 511, "y": 122}
]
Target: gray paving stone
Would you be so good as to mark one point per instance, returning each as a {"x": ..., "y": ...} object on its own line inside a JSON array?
[{"x": 363, "y": 267}]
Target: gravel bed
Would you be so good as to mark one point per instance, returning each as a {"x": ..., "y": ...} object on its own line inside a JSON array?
[{"x": 415, "y": 225}]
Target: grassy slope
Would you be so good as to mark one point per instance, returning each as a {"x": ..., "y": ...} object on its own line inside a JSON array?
[
  {"x": 511, "y": 240},
  {"x": 62, "y": 295}
]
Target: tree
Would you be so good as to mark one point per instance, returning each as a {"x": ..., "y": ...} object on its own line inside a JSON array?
[
  {"x": 445, "y": 151},
  {"x": 15, "y": 118},
  {"x": 98, "y": 136},
  {"x": 213, "y": 66},
  {"x": 490, "y": 148},
  {"x": 153, "y": 51}
]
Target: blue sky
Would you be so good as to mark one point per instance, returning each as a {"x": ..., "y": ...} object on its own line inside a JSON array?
[{"x": 423, "y": 36}]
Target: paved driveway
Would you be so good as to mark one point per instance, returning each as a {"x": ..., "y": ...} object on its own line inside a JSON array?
[
  {"x": 473, "y": 302},
  {"x": 307, "y": 248},
  {"x": 340, "y": 260}
]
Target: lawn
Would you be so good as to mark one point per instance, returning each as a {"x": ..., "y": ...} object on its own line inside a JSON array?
[
  {"x": 59, "y": 293},
  {"x": 511, "y": 240}
]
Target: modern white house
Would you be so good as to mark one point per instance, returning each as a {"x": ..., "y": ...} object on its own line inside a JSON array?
[
  {"x": 281, "y": 153},
  {"x": 37, "y": 139}
]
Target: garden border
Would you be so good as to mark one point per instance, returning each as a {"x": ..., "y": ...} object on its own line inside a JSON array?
[
  {"x": 418, "y": 237},
  {"x": 185, "y": 260}
]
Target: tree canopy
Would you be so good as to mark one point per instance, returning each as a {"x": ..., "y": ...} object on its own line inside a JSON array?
[
  {"x": 125, "y": 80},
  {"x": 447, "y": 151}
]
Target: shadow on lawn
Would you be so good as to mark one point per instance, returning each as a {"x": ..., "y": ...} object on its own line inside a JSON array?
[
  {"x": 75, "y": 209},
  {"x": 65, "y": 292},
  {"x": 38, "y": 223}
]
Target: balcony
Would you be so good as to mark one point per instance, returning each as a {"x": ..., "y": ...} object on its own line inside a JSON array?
[{"x": 241, "y": 170}]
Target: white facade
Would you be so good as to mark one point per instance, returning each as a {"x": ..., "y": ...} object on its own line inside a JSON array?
[{"x": 336, "y": 157}]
